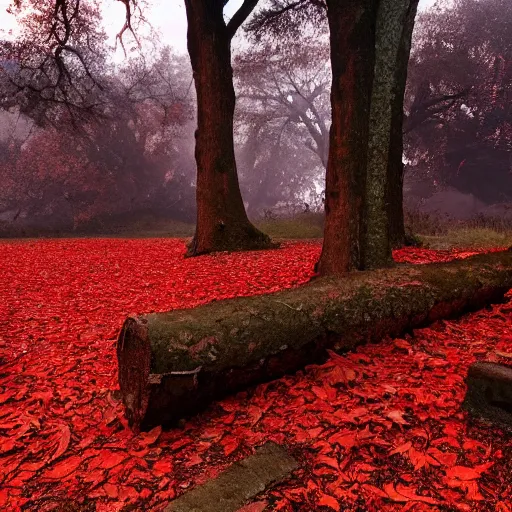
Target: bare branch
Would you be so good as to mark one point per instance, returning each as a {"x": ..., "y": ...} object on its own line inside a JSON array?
[
  {"x": 425, "y": 110},
  {"x": 240, "y": 16},
  {"x": 127, "y": 25}
]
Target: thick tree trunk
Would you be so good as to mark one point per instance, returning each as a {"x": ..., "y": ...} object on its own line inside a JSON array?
[
  {"x": 173, "y": 364},
  {"x": 222, "y": 223},
  {"x": 352, "y": 41},
  {"x": 384, "y": 198},
  {"x": 395, "y": 197},
  {"x": 377, "y": 246}
]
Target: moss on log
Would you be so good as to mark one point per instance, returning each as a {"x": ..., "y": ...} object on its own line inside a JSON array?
[{"x": 173, "y": 364}]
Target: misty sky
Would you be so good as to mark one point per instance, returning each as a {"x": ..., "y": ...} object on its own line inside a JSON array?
[{"x": 166, "y": 16}]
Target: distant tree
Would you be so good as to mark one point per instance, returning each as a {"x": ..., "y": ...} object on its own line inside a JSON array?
[
  {"x": 47, "y": 182},
  {"x": 54, "y": 64},
  {"x": 153, "y": 106},
  {"x": 459, "y": 113},
  {"x": 282, "y": 122},
  {"x": 290, "y": 82},
  {"x": 276, "y": 167},
  {"x": 135, "y": 161},
  {"x": 128, "y": 126}
]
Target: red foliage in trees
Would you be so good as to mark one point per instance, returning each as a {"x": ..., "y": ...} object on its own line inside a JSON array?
[{"x": 378, "y": 429}]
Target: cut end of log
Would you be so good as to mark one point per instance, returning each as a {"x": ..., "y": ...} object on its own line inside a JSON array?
[{"x": 134, "y": 357}]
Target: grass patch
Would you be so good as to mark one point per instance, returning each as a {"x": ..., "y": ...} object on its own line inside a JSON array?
[
  {"x": 305, "y": 226},
  {"x": 468, "y": 238},
  {"x": 157, "y": 228},
  {"x": 435, "y": 235},
  {"x": 145, "y": 227}
]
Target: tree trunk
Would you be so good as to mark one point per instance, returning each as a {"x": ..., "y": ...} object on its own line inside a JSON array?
[
  {"x": 352, "y": 42},
  {"x": 395, "y": 197},
  {"x": 384, "y": 197},
  {"x": 222, "y": 223},
  {"x": 173, "y": 364}
]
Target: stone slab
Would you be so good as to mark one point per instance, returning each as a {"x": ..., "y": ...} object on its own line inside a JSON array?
[
  {"x": 489, "y": 392},
  {"x": 245, "y": 479}
]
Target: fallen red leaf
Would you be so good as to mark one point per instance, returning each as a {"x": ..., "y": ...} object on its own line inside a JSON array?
[
  {"x": 328, "y": 461},
  {"x": 465, "y": 473},
  {"x": 389, "y": 489},
  {"x": 107, "y": 459},
  {"x": 163, "y": 466},
  {"x": 63, "y": 468},
  {"x": 65, "y": 437},
  {"x": 257, "y": 506},
  {"x": 396, "y": 416},
  {"x": 328, "y": 501},
  {"x": 346, "y": 439},
  {"x": 402, "y": 448},
  {"x": 148, "y": 438},
  {"x": 411, "y": 494},
  {"x": 375, "y": 490},
  {"x": 6, "y": 445},
  {"x": 111, "y": 490}
]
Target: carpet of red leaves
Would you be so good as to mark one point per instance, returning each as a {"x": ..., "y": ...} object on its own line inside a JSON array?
[{"x": 379, "y": 429}]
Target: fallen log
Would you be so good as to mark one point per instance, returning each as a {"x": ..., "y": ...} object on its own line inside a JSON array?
[{"x": 172, "y": 365}]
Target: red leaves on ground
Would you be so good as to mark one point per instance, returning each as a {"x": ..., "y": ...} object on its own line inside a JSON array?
[
  {"x": 419, "y": 255},
  {"x": 377, "y": 429}
]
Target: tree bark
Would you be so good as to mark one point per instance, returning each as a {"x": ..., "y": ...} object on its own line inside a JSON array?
[
  {"x": 222, "y": 222},
  {"x": 395, "y": 196},
  {"x": 352, "y": 43},
  {"x": 384, "y": 192},
  {"x": 390, "y": 20},
  {"x": 173, "y": 364}
]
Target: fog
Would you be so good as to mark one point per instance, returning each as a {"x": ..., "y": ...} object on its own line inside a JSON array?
[{"x": 120, "y": 150}]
